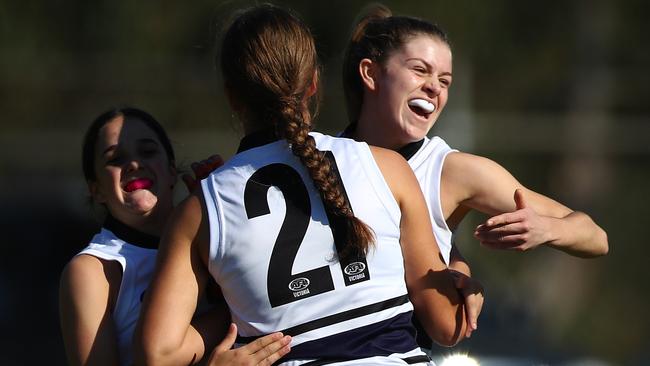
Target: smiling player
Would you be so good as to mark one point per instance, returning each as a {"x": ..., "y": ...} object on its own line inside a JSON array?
[
  {"x": 128, "y": 163},
  {"x": 396, "y": 74}
]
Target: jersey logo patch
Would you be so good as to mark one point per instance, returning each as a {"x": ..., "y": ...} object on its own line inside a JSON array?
[
  {"x": 354, "y": 268},
  {"x": 299, "y": 284},
  {"x": 355, "y": 271}
]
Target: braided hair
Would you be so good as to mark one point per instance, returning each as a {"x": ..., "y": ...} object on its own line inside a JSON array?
[{"x": 270, "y": 70}]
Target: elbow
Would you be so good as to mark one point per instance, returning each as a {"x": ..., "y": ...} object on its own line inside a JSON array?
[
  {"x": 596, "y": 245},
  {"x": 452, "y": 331},
  {"x": 604, "y": 243},
  {"x": 439, "y": 307},
  {"x": 599, "y": 242},
  {"x": 446, "y": 330},
  {"x": 151, "y": 355},
  {"x": 447, "y": 340},
  {"x": 601, "y": 246},
  {"x": 152, "y": 350}
]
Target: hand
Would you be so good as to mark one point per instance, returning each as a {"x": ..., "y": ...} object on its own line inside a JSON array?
[
  {"x": 472, "y": 291},
  {"x": 520, "y": 230},
  {"x": 263, "y": 351},
  {"x": 201, "y": 170}
]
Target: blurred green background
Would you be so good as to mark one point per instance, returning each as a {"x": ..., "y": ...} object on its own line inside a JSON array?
[{"x": 558, "y": 92}]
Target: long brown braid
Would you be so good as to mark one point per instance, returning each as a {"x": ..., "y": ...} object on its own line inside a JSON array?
[{"x": 269, "y": 64}]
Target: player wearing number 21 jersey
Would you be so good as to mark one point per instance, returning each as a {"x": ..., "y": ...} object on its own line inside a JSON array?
[{"x": 273, "y": 251}]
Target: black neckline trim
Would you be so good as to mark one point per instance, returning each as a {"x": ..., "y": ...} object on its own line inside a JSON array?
[
  {"x": 256, "y": 139},
  {"x": 131, "y": 235},
  {"x": 407, "y": 151},
  {"x": 348, "y": 132}
]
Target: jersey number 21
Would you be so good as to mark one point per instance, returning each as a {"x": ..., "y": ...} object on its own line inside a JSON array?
[{"x": 284, "y": 287}]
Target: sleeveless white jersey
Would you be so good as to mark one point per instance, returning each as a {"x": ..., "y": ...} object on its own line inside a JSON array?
[
  {"x": 273, "y": 253},
  {"x": 427, "y": 165},
  {"x": 137, "y": 268}
]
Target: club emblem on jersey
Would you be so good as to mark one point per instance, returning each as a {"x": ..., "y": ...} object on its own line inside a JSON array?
[
  {"x": 355, "y": 271},
  {"x": 299, "y": 286},
  {"x": 354, "y": 268}
]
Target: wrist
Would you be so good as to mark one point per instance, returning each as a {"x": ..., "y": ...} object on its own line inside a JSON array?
[
  {"x": 461, "y": 267},
  {"x": 552, "y": 229}
]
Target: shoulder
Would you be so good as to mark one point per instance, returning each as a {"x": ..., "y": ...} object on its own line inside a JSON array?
[
  {"x": 89, "y": 265},
  {"x": 396, "y": 171},
  {"x": 467, "y": 177},
  {"x": 457, "y": 158},
  {"x": 328, "y": 142},
  {"x": 87, "y": 296},
  {"x": 470, "y": 166},
  {"x": 388, "y": 159},
  {"x": 435, "y": 146},
  {"x": 437, "y": 142},
  {"x": 88, "y": 275},
  {"x": 431, "y": 153}
]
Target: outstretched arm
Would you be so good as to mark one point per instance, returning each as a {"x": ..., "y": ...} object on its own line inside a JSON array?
[
  {"x": 437, "y": 303},
  {"x": 522, "y": 219}
]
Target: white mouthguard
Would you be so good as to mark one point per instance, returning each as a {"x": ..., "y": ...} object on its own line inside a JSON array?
[{"x": 422, "y": 104}]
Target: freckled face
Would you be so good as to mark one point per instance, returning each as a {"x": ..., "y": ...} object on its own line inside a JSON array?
[
  {"x": 413, "y": 87},
  {"x": 134, "y": 175}
]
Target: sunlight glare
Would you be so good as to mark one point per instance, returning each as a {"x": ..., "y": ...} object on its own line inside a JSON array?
[{"x": 459, "y": 360}]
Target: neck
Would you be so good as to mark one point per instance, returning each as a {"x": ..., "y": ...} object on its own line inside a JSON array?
[
  {"x": 152, "y": 223},
  {"x": 251, "y": 127},
  {"x": 373, "y": 129},
  {"x": 152, "y": 227},
  {"x": 366, "y": 133},
  {"x": 131, "y": 235},
  {"x": 253, "y": 124}
]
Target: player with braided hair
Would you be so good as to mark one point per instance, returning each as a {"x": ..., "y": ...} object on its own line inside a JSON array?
[{"x": 318, "y": 237}]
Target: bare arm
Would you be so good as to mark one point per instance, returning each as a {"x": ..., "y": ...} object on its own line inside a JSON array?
[
  {"x": 437, "y": 303},
  {"x": 165, "y": 335},
  {"x": 85, "y": 294},
  {"x": 523, "y": 220}
]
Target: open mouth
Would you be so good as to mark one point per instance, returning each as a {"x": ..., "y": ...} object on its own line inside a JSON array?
[
  {"x": 139, "y": 183},
  {"x": 421, "y": 107}
]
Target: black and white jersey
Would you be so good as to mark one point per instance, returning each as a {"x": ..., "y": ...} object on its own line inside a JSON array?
[
  {"x": 137, "y": 258},
  {"x": 426, "y": 159},
  {"x": 273, "y": 252}
]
